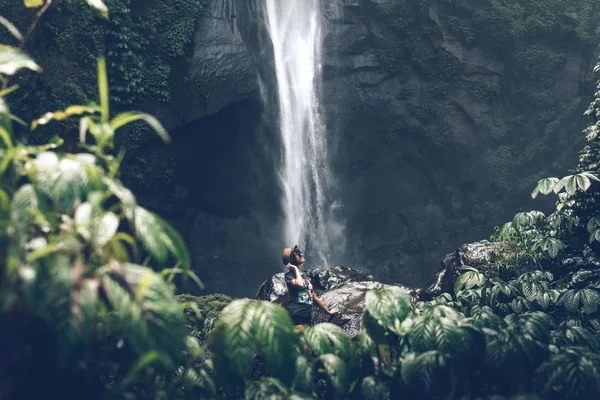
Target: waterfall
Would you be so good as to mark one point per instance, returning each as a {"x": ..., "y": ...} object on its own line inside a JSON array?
[{"x": 294, "y": 27}]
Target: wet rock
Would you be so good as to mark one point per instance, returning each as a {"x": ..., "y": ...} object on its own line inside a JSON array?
[
  {"x": 322, "y": 279},
  {"x": 273, "y": 288},
  {"x": 350, "y": 300},
  {"x": 477, "y": 255},
  {"x": 331, "y": 278},
  {"x": 340, "y": 287}
]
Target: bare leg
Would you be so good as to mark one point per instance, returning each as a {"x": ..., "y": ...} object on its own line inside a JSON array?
[{"x": 299, "y": 328}]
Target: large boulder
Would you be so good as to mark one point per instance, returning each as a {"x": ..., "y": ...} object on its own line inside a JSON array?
[
  {"x": 477, "y": 255},
  {"x": 339, "y": 287},
  {"x": 350, "y": 300},
  {"x": 274, "y": 288}
]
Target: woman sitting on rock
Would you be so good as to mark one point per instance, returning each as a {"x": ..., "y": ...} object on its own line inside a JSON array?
[{"x": 300, "y": 290}]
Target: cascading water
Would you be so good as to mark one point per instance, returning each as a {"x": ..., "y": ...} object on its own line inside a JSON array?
[{"x": 294, "y": 27}]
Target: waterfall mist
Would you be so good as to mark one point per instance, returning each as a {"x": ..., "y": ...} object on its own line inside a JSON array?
[{"x": 295, "y": 30}]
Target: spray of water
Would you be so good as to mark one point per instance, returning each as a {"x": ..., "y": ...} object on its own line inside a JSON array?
[{"x": 294, "y": 27}]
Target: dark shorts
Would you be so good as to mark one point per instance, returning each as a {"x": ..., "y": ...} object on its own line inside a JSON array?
[{"x": 298, "y": 319}]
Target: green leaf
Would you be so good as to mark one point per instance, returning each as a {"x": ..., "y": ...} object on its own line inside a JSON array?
[
  {"x": 145, "y": 360},
  {"x": 232, "y": 342},
  {"x": 103, "y": 90},
  {"x": 6, "y": 138},
  {"x": 372, "y": 388},
  {"x": 149, "y": 315},
  {"x": 266, "y": 388},
  {"x": 424, "y": 372},
  {"x": 71, "y": 185},
  {"x": 159, "y": 238},
  {"x": 328, "y": 338},
  {"x": 106, "y": 229},
  {"x": 544, "y": 186},
  {"x": 336, "y": 373},
  {"x": 128, "y": 117},
  {"x": 275, "y": 339},
  {"x": 303, "y": 379},
  {"x": 33, "y": 3},
  {"x": 388, "y": 307},
  {"x": 12, "y": 60},
  {"x": 580, "y": 300},
  {"x": 469, "y": 280},
  {"x": 11, "y": 28},
  {"x": 98, "y": 5},
  {"x": 583, "y": 182},
  {"x": 62, "y": 115}
]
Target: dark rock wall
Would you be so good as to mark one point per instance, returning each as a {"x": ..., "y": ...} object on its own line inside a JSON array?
[{"x": 436, "y": 136}]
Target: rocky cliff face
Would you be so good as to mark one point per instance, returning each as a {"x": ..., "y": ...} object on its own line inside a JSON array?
[{"x": 441, "y": 120}]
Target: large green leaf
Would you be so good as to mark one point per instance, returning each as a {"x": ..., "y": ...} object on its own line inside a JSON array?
[
  {"x": 275, "y": 339},
  {"x": 544, "y": 186},
  {"x": 388, "y": 308},
  {"x": 150, "y": 316},
  {"x": 468, "y": 280},
  {"x": 580, "y": 300},
  {"x": 12, "y": 60},
  {"x": 573, "y": 373},
  {"x": 426, "y": 373},
  {"x": 232, "y": 341},
  {"x": 336, "y": 373},
  {"x": 329, "y": 338}
]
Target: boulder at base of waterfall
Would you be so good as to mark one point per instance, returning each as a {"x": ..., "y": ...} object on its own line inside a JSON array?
[
  {"x": 275, "y": 289},
  {"x": 350, "y": 300},
  {"x": 477, "y": 255}
]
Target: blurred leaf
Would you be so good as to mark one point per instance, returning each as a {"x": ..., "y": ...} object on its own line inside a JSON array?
[
  {"x": 326, "y": 338},
  {"x": 103, "y": 88},
  {"x": 13, "y": 59},
  {"x": 128, "y": 117},
  {"x": 159, "y": 238},
  {"x": 98, "y": 5},
  {"x": 33, "y": 3},
  {"x": 336, "y": 373},
  {"x": 388, "y": 307},
  {"x": 107, "y": 228},
  {"x": 11, "y": 28}
]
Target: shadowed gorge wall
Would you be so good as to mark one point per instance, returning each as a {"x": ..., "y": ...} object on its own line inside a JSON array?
[
  {"x": 441, "y": 116},
  {"x": 219, "y": 189},
  {"x": 440, "y": 122}
]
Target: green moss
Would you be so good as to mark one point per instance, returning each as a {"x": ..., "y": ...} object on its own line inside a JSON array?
[
  {"x": 142, "y": 41},
  {"x": 202, "y": 312}
]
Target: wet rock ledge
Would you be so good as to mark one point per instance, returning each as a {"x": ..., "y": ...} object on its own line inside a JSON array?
[{"x": 345, "y": 288}]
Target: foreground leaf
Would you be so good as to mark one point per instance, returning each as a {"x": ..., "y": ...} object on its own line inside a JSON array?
[{"x": 13, "y": 59}]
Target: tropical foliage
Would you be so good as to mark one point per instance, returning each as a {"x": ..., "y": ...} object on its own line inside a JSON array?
[
  {"x": 81, "y": 298},
  {"x": 88, "y": 309}
]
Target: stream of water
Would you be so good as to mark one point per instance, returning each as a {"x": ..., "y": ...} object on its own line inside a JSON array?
[{"x": 295, "y": 29}]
